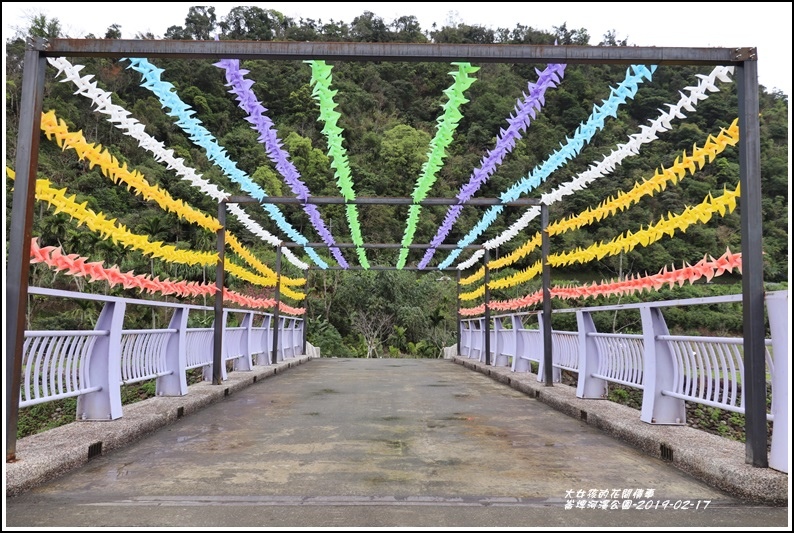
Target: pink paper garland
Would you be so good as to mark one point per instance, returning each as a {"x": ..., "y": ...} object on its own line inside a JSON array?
[
  {"x": 74, "y": 265},
  {"x": 728, "y": 262}
]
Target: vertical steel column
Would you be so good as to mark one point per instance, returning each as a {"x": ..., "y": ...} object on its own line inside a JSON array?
[
  {"x": 276, "y": 318},
  {"x": 548, "y": 368},
  {"x": 457, "y": 315},
  {"x": 487, "y": 325},
  {"x": 304, "y": 332},
  {"x": 306, "y": 316},
  {"x": 219, "y": 323},
  {"x": 20, "y": 233},
  {"x": 752, "y": 265}
]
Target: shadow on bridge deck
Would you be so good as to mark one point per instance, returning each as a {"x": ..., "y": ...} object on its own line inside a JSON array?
[{"x": 375, "y": 443}]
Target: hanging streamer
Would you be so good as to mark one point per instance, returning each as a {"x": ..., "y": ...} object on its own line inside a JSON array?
[
  {"x": 117, "y": 172},
  {"x": 663, "y": 176},
  {"x": 474, "y": 277},
  {"x": 525, "y": 112},
  {"x": 97, "y": 223},
  {"x": 568, "y": 151},
  {"x": 215, "y": 153},
  {"x": 522, "y": 251},
  {"x": 471, "y": 261},
  {"x": 262, "y": 124},
  {"x": 673, "y": 175},
  {"x": 706, "y": 84},
  {"x": 701, "y": 213},
  {"x": 119, "y": 117},
  {"x": 321, "y": 91},
  {"x": 445, "y": 130},
  {"x": 516, "y": 279},
  {"x": 708, "y": 268},
  {"x": 74, "y": 265}
]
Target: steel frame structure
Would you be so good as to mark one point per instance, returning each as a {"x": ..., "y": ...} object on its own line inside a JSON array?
[{"x": 744, "y": 60}]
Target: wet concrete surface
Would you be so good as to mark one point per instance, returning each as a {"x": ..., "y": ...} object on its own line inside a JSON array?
[{"x": 380, "y": 443}]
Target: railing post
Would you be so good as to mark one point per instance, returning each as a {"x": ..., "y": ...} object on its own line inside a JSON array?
[
  {"x": 280, "y": 345},
  {"x": 553, "y": 374},
  {"x": 303, "y": 334},
  {"x": 658, "y": 373},
  {"x": 481, "y": 342},
  {"x": 289, "y": 344},
  {"x": 216, "y": 372},
  {"x": 175, "y": 384},
  {"x": 520, "y": 364},
  {"x": 461, "y": 349},
  {"x": 295, "y": 337},
  {"x": 500, "y": 357},
  {"x": 588, "y": 386},
  {"x": 264, "y": 357},
  {"x": 777, "y": 309},
  {"x": 104, "y": 368},
  {"x": 244, "y": 363},
  {"x": 513, "y": 340}
]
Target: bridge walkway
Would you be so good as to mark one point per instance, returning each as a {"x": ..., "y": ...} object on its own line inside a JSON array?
[{"x": 378, "y": 443}]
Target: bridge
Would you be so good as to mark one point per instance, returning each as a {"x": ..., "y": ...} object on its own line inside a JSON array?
[
  {"x": 518, "y": 432},
  {"x": 291, "y": 438}
]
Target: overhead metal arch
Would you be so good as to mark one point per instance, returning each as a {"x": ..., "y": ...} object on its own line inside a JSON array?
[{"x": 743, "y": 58}]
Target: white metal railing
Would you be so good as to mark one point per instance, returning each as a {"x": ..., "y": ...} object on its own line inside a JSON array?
[
  {"x": 55, "y": 364},
  {"x": 669, "y": 369},
  {"x": 199, "y": 347},
  {"x": 565, "y": 350},
  {"x": 143, "y": 354},
  {"x": 620, "y": 358},
  {"x": 710, "y": 370},
  {"x": 93, "y": 365},
  {"x": 233, "y": 343}
]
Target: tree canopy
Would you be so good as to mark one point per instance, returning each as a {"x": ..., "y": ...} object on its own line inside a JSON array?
[{"x": 388, "y": 113}]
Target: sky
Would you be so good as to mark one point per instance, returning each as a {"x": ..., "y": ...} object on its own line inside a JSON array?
[{"x": 763, "y": 25}]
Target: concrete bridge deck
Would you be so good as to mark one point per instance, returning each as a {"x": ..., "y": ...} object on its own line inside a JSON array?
[{"x": 381, "y": 443}]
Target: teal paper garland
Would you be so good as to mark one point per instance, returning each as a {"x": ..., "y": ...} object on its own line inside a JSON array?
[
  {"x": 584, "y": 133},
  {"x": 198, "y": 134}
]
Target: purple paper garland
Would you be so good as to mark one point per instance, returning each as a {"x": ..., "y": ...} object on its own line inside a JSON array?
[
  {"x": 525, "y": 112},
  {"x": 241, "y": 88}
]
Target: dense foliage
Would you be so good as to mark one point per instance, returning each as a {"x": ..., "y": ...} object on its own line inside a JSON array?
[{"x": 388, "y": 112}]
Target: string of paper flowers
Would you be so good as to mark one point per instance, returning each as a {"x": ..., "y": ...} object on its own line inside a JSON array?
[
  {"x": 117, "y": 172},
  {"x": 708, "y": 268},
  {"x": 688, "y": 102},
  {"x": 74, "y": 265},
  {"x": 447, "y": 123},
  {"x": 525, "y": 111},
  {"x": 119, "y": 117},
  {"x": 201, "y": 137},
  {"x": 263, "y": 125},
  {"x": 662, "y": 177},
  {"x": 627, "y": 89},
  {"x": 625, "y": 242},
  {"x": 321, "y": 91},
  {"x": 109, "y": 229},
  {"x": 471, "y": 261}
]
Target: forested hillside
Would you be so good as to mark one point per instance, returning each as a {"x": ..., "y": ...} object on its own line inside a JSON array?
[{"x": 388, "y": 117}]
